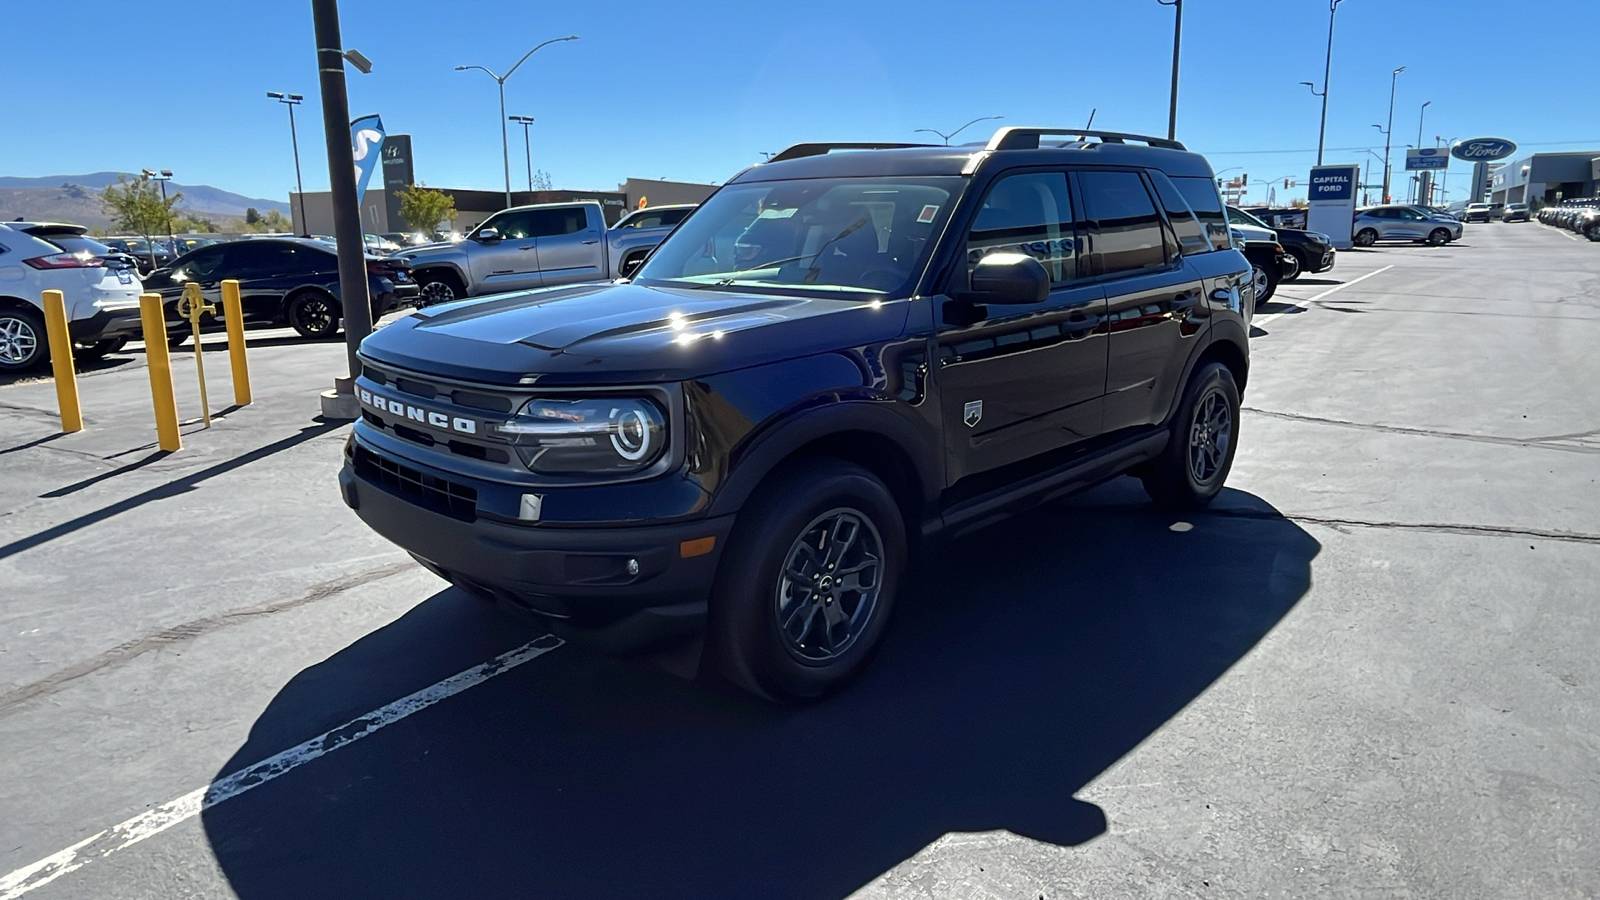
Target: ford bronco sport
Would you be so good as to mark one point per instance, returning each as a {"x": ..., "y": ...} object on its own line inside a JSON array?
[{"x": 841, "y": 354}]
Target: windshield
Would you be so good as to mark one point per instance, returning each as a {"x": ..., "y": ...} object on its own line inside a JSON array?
[
  {"x": 865, "y": 236},
  {"x": 73, "y": 243},
  {"x": 1240, "y": 217}
]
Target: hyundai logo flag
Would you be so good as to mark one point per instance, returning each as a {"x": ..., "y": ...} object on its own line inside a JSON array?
[{"x": 366, "y": 143}]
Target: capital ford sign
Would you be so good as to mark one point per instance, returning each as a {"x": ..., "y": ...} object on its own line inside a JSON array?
[
  {"x": 417, "y": 413},
  {"x": 1483, "y": 149}
]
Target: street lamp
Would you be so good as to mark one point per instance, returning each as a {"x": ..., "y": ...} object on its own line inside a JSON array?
[
  {"x": 291, "y": 101},
  {"x": 1327, "y": 69},
  {"x": 527, "y": 148},
  {"x": 952, "y": 134},
  {"x": 1424, "y": 179},
  {"x": 1394, "y": 80},
  {"x": 164, "y": 176},
  {"x": 505, "y": 143},
  {"x": 1177, "y": 41}
]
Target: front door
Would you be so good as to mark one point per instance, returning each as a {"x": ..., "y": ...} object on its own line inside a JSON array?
[
  {"x": 509, "y": 261},
  {"x": 1025, "y": 380},
  {"x": 570, "y": 244}
]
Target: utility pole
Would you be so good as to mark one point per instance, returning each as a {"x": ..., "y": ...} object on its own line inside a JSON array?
[
  {"x": 527, "y": 149},
  {"x": 1425, "y": 177},
  {"x": 1177, "y": 43},
  {"x": 1394, "y": 80},
  {"x": 164, "y": 176},
  {"x": 354, "y": 300},
  {"x": 1327, "y": 69},
  {"x": 291, "y": 101}
]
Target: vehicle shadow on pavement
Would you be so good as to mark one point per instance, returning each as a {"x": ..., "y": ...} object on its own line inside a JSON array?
[{"x": 1023, "y": 662}]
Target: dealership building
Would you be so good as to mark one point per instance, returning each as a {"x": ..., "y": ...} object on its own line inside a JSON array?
[
  {"x": 312, "y": 212},
  {"x": 1545, "y": 177}
]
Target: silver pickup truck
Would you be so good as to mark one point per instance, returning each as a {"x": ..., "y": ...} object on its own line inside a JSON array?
[{"x": 539, "y": 246}]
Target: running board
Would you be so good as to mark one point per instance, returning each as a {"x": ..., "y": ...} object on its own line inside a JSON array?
[{"x": 979, "y": 512}]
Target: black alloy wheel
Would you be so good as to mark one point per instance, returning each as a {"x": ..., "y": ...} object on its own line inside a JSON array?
[
  {"x": 22, "y": 340},
  {"x": 438, "y": 287},
  {"x": 314, "y": 315},
  {"x": 1292, "y": 267},
  {"x": 1204, "y": 436},
  {"x": 1366, "y": 237},
  {"x": 806, "y": 586}
]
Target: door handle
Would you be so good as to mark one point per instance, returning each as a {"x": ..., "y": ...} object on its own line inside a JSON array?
[
  {"x": 1184, "y": 301},
  {"x": 526, "y": 247},
  {"x": 596, "y": 241}
]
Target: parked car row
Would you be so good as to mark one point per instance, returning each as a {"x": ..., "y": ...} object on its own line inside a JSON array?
[{"x": 1580, "y": 214}]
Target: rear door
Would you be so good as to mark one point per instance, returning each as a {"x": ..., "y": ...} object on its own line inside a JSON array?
[
  {"x": 569, "y": 244},
  {"x": 510, "y": 262},
  {"x": 1151, "y": 293}
]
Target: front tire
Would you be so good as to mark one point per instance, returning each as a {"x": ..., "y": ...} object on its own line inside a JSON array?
[
  {"x": 23, "y": 345},
  {"x": 1366, "y": 237},
  {"x": 1592, "y": 232},
  {"x": 1193, "y": 467},
  {"x": 314, "y": 315},
  {"x": 1292, "y": 267},
  {"x": 438, "y": 286},
  {"x": 805, "y": 590},
  {"x": 1438, "y": 237}
]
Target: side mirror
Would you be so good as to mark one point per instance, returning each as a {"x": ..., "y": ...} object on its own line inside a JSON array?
[
  {"x": 487, "y": 235},
  {"x": 1006, "y": 279}
]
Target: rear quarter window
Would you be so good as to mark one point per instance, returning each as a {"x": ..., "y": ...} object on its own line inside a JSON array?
[{"x": 1201, "y": 195}]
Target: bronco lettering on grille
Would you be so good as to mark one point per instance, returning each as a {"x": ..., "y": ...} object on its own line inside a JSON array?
[{"x": 418, "y": 414}]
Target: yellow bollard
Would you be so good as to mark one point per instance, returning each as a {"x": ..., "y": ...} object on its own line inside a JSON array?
[
  {"x": 192, "y": 305},
  {"x": 155, "y": 351},
  {"x": 55, "y": 326},
  {"x": 233, "y": 311}
]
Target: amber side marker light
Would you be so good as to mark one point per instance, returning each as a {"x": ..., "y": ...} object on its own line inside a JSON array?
[{"x": 696, "y": 547}]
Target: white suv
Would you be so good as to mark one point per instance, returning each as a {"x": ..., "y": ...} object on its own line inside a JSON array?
[{"x": 102, "y": 302}]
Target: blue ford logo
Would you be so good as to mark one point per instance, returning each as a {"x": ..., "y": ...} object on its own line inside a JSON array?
[{"x": 1483, "y": 149}]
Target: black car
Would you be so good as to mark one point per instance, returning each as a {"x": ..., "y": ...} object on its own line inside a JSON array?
[
  {"x": 282, "y": 281},
  {"x": 1303, "y": 251},
  {"x": 147, "y": 255},
  {"x": 1280, "y": 217},
  {"x": 834, "y": 359}
]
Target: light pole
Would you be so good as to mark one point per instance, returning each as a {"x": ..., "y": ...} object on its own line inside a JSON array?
[
  {"x": 1424, "y": 177},
  {"x": 505, "y": 142},
  {"x": 527, "y": 149},
  {"x": 291, "y": 101},
  {"x": 1177, "y": 42},
  {"x": 162, "y": 177},
  {"x": 1394, "y": 80},
  {"x": 1327, "y": 69},
  {"x": 952, "y": 134}
]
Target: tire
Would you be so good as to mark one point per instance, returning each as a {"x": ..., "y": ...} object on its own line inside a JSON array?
[
  {"x": 1438, "y": 237},
  {"x": 1193, "y": 467},
  {"x": 99, "y": 349},
  {"x": 176, "y": 339},
  {"x": 23, "y": 344},
  {"x": 764, "y": 635},
  {"x": 1592, "y": 232},
  {"x": 313, "y": 314},
  {"x": 1366, "y": 237},
  {"x": 1292, "y": 267},
  {"x": 438, "y": 286},
  {"x": 1265, "y": 280}
]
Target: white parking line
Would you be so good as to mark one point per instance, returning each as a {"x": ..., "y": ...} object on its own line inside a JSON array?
[
  {"x": 1301, "y": 304},
  {"x": 153, "y": 822}
]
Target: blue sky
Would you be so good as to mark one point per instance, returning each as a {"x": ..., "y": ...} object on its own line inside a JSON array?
[{"x": 695, "y": 91}]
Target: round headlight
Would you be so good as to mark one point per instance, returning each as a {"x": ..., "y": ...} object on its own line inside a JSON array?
[
  {"x": 595, "y": 435},
  {"x": 631, "y": 437}
]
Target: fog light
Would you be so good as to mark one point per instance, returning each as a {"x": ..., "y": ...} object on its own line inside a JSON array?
[
  {"x": 528, "y": 510},
  {"x": 633, "y": 567}
]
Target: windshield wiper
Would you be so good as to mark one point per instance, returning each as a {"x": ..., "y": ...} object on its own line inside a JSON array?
[{"x": 811, "y": 272}]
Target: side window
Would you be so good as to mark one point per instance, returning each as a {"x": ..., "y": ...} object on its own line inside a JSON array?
[
  {"x": 1191, "y": 234},
  {"x": 256, "y": 259},
  {"x": 1029, "y": 213},
  {"x": 1127, "y": 234},
  {"x": 556, "y": 222},
  {"x": 674, "y": 216},
  {"x": 1201, "y": 194},
  {"x": 201, "y": 264},
  {"x": 511, "y": 225},
  {"x": 644, "y": 220}
]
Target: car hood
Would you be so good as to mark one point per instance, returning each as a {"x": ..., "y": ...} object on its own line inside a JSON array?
[{"x": 625, "y": 333}]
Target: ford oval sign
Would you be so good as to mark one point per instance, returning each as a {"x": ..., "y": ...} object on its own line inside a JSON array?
[{"x": 1483, "y": 149}]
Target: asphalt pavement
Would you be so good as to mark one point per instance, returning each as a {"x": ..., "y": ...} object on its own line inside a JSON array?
[{"x": 1369, "y": 670}]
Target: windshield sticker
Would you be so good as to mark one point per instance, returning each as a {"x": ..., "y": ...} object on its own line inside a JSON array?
[
  {"x": 927, "y": 214},
  {"x": 772, "y": 213}
]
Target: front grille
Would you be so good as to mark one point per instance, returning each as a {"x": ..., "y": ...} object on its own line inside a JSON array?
[{"x": 440, "y": 495}]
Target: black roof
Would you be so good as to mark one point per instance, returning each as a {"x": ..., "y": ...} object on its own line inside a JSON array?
[{"x": 865, "y": 160}]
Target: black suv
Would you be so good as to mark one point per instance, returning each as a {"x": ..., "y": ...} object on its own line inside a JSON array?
[{"x": 836, "y": 357}]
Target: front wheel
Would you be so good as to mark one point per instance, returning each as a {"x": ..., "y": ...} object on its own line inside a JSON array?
[
  {"x": 1192, "y": 468},
  {"x": 1438, "y": 237},
  {"x": 1592, "y": 232},
  {"x": 805, "y": 590},
  {"x": 1366, "y": 237},
  {"x": 1292, "y": 267},
  {"x": 439, "y": 286},
  {"x": 314, "y": 315}
]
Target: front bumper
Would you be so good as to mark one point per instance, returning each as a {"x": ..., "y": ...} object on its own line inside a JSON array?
[
  {"x": 107, "y": 324},
  {"x": 619, "y": 588}
]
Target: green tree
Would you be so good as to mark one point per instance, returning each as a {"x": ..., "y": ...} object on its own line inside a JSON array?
[
  {"x": 424, "y": 208},
  {"x": 137, "y": 206},
  {"x": 251, "y": 216}
]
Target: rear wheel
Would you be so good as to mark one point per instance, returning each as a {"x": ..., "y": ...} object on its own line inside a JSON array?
[
  {"x": 1593, "y": 231},
  {"x": 1366, "y": 237},
  {"x": 439, "y": 286},
  {"x": 22, "y": 340},
  {"x": 805, "y": 590},
  {"x": 1192, "y": 468},
  {"x": 314, "y": 315},
  {"x": 1438, "y": 237},
  {"x": 1265, "y": 279}
]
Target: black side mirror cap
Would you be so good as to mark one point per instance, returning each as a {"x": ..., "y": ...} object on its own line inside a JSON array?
[{"x": 1008, "y": 279}]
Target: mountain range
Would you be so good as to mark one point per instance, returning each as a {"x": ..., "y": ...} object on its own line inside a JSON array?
[{"x": 76, "y": 198}]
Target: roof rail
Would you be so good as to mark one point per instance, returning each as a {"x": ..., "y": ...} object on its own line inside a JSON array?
[
  {"x": 800, "y": 151},
  {"x": 1015, "y": 138}
]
